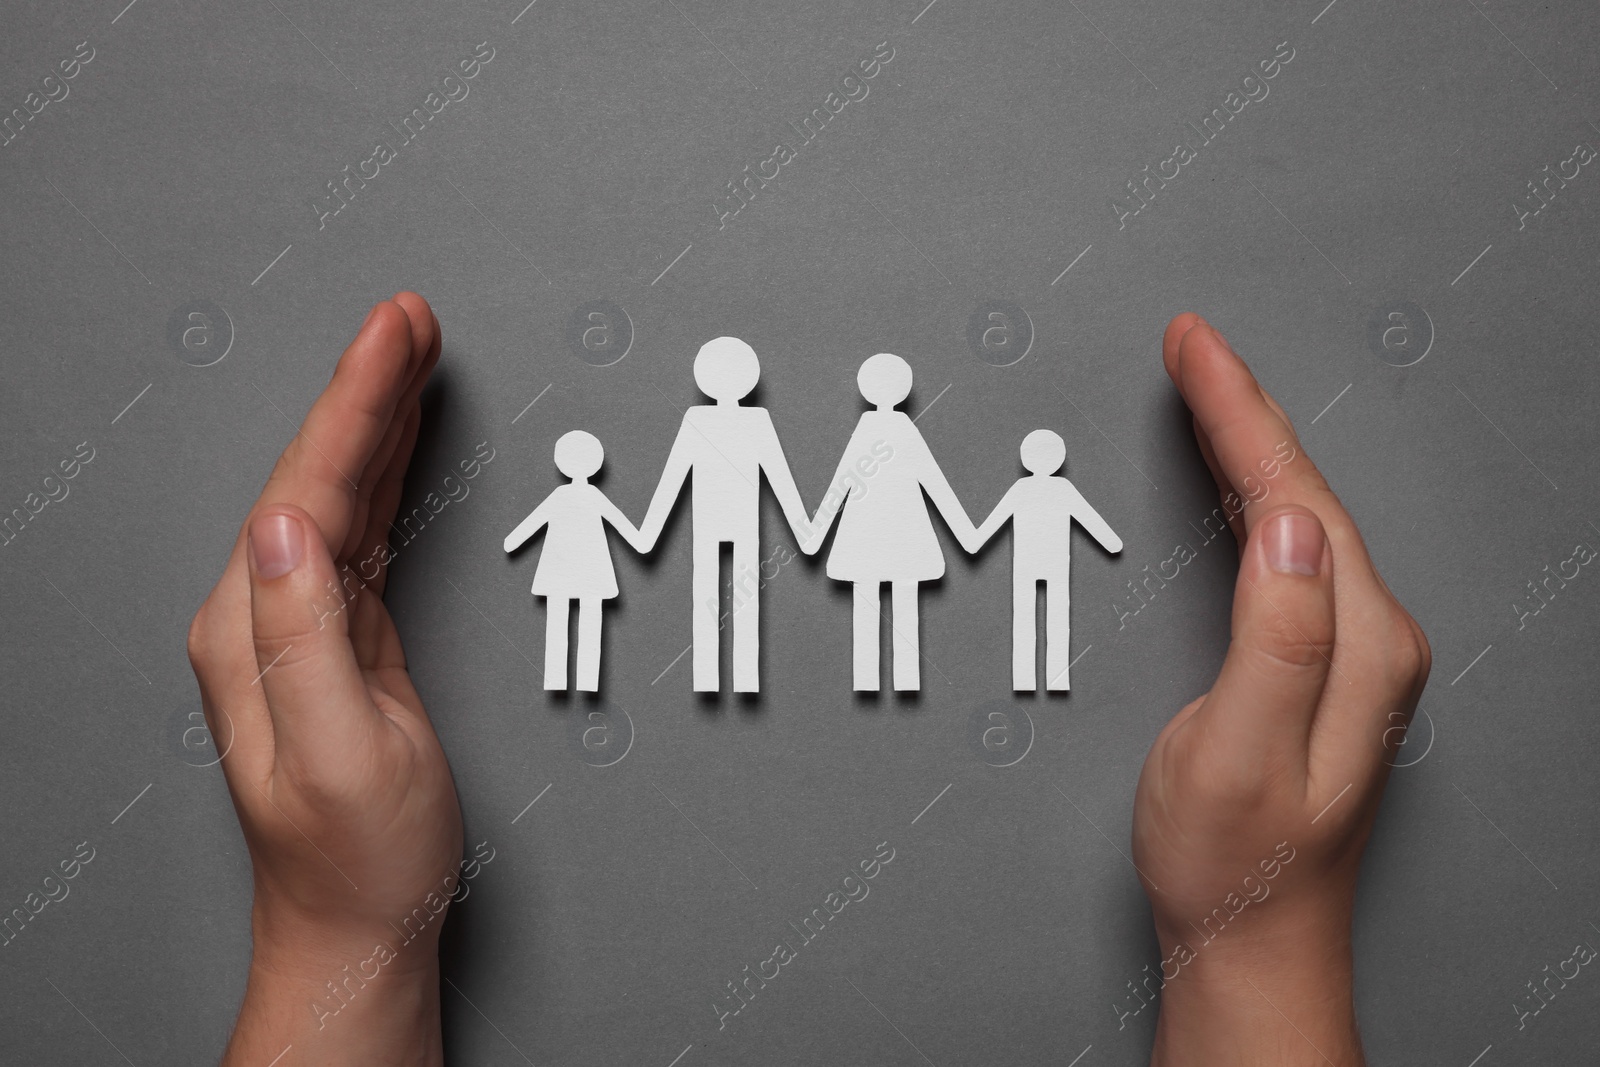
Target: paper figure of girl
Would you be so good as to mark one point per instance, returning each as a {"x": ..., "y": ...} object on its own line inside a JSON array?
[
  {"x": 576, "y": 562},
  {"x": 885, "y": 533}
]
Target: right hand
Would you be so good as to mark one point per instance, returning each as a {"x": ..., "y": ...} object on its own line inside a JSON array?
[{"x": 1286, "y": 755}]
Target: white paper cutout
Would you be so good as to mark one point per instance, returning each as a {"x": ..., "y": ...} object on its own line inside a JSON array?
[
  {"x": 885, "y": 536},
  {"x": 726, "y": 446},
  {"x": 885, "y": 533},
  {"x": 1041, "y": 509},
  {"x": 576, "y": 562}
]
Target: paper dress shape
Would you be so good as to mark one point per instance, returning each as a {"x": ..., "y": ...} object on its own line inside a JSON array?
[
  {"x": 1041, "y": 509},
  {"x": 885, "y": 533},
  {"x": 576, "y": 562},
  {"x": 727, "y": 446}
]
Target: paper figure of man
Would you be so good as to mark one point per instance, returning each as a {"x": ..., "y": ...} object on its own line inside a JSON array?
[
  {"x": 1041, "y": 508},
  {"x": 726, "y": 447}
]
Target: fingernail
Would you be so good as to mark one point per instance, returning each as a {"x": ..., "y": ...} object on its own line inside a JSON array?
[
  {"x": 368, "y": 319},
  {"x": 275, "y": 545},
  {"x": 1293, "y": 544},
  {"x": 1223, "y": 339}
]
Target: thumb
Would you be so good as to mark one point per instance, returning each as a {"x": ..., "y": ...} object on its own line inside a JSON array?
[
  {"x": 300, "y": 619},
  {"x": 1261, "y": 709}
]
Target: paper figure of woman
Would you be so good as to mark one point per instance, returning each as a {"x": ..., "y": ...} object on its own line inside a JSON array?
[{"x": 885, "y": 533}]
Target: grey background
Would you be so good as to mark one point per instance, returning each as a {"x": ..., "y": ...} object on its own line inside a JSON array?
[{"x": 1381, "y": 169}]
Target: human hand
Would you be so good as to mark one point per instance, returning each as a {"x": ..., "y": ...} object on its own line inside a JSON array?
[
  {"x": 340, "y": 786},
  {"x": 1257, "y": 799}
]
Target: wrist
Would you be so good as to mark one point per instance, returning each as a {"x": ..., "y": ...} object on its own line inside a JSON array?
[
  {"x": 1282, "y": 1001},
  {"x": 288, "y": 943},
  {"x": 340, "y": 993}
]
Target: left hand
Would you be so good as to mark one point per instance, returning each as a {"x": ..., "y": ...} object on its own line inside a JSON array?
[{"x": 341, "y": 788}]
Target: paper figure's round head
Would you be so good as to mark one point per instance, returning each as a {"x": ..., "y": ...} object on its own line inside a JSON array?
[
  {"x": 726, "y": 369},
  {"x": 884, "y": 379},
  {"x": 1043, "y": 452},
  {"x": 579, "y": 454}
]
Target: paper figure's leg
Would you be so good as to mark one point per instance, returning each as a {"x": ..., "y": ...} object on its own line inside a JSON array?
[
  {"x": 557, "y": 612},
  {"x": 1057, "y": 650},
  {"x": 746, "y": 616},
  {"x": 907, "y": 658},
  {"x": 707, "y": 605},
  {"x": 1024, "y": 634},
  {"x": 867, "y": 627},
  {"x": 589, "y": 609}
]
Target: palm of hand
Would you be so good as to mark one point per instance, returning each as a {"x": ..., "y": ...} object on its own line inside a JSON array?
[
  {"x": 1271, "y": 781},
  {"x": 342, "y": 789}
]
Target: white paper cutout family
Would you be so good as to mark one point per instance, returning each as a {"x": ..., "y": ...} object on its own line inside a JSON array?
[{"x": 885, "y": 533}]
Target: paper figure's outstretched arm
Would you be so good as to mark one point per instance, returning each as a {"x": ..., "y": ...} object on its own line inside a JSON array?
[
  {"x": 997, "y": 518},
  {"x": 667, "y": 490},
  {"x": 1098, "y": 528},
  {"x": 630, "y": 533},
  {"x": 944, "y": 498},
  {"x": 776, "y": 467},
  {"x": 833, "y": 500},
  {"x": 528, "y": 526}
]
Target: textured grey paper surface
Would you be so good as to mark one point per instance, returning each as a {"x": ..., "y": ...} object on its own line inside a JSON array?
[{"x": 1385, "y": 171}]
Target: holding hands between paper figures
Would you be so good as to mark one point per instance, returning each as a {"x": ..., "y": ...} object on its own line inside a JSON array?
[
  {"x": 1286, "y": 752},
  {"x": 726, "y": 447},
  {"x": 886, "y": 535}
]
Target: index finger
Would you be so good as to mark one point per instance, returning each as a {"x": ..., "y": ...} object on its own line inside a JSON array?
[
  {"x": 1258, "y": 451},
  {"x": 1255, "y": 445},
  {"x": 319, "y": 471},
  {"x": 321, "y": 468}
]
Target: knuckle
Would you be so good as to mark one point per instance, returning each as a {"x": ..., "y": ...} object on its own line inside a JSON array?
[
  {"x": 1281, "y": 643},
  {"x": 1235, "y": 793},
  {"x": 335, "y": 789},
  {"x": 1414, "y": 659},
  {"x": 1404, "y": 657},
  {"x": 200, "y": 642},
  {"x": 285, "y": 464},
  {"x": 286, "y": 651},
  {"x": 302, "y": 463},
  {"x": 1424, "y": 650},
  {"x": 323, "y": 796},
  {"x": 1225, "y": 790}
]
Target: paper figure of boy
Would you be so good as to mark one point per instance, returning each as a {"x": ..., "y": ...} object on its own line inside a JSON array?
[
  {"x": 576, "y": 561},
  {"x": 1041, "y": 509}
]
